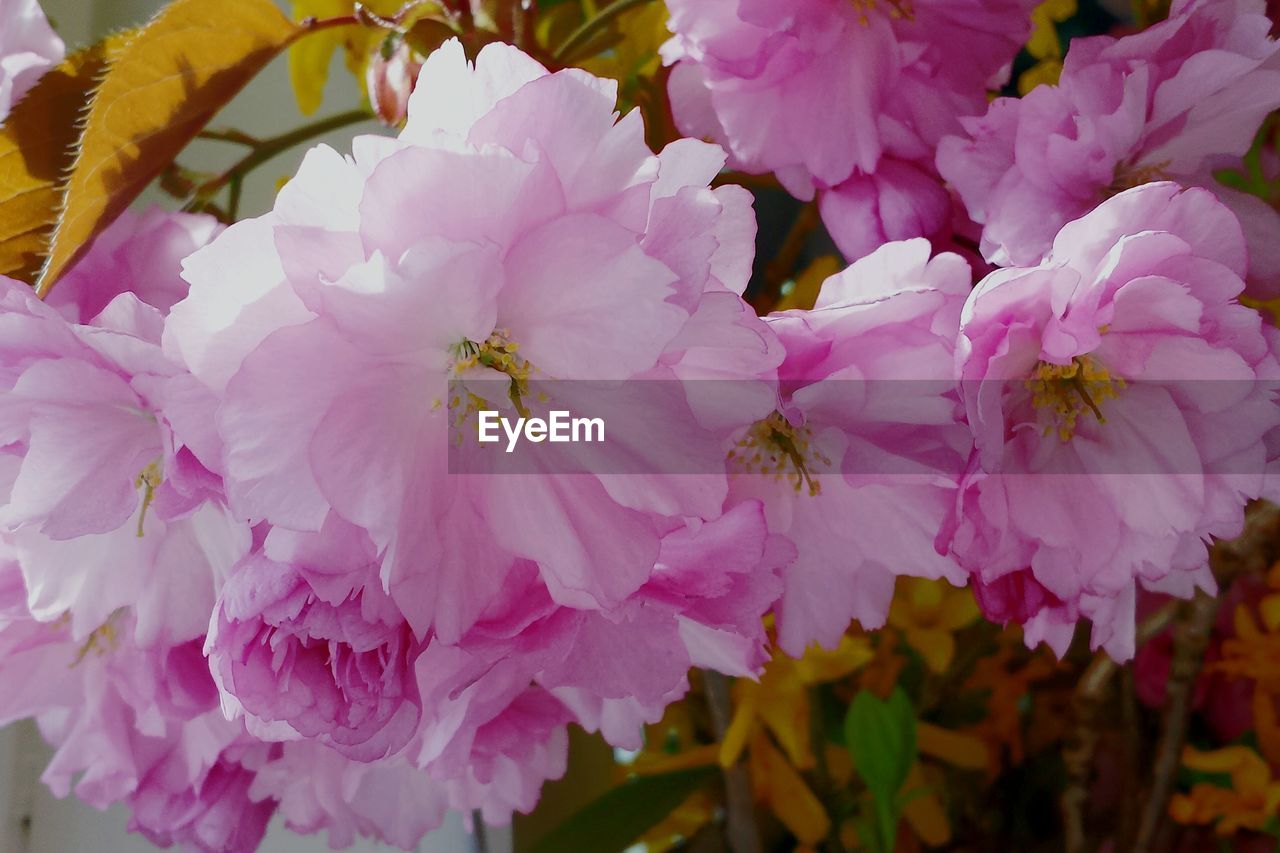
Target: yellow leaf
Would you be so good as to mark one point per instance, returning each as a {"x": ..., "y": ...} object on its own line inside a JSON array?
[
  {"x": 309, "y": 58},
  {"x": 955, "y": 748},
  {"x": 643, "y": 30},
  {"x": 37, "y": 146},
  {"x": 163, "y": 86}
]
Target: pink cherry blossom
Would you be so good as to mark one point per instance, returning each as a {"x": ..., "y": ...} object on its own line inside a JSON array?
[
  {"x": 139, "y": 253},
  {"x": 334, "y": 669},
  {"x": 1156, "y": 105},
  {"x": 106, "y": 508},
  {"x": 547, "y": 242},
  {"x": 1120, "y": 401},
  {"x": 844, "y": 99},
  {"x": 858, "y": 467},
  {"x": 129, "y": 724},
  {"x": 28, "y": 47}
]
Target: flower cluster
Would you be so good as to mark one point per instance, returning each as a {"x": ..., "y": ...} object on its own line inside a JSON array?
[
  {"x": 260, "y": 575},
  {"x": 844, "y": 99}
]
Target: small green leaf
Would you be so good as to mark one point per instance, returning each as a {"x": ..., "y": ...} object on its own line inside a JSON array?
[
  {"x": 615, "y": 820},
  {"x": 881, "y": 738}
]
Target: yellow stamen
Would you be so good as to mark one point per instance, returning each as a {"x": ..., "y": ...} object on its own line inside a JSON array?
[
  {"x": 1067, "y": 390},
  {"x": 772, "y": 446},
  {"x": 149, "y": 480},
  {"x": 899, "y": 10},
  {"x": 498, "y": 352}
]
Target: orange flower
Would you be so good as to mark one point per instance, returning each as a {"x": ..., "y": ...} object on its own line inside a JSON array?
[{"x": 1252, "y": 800}]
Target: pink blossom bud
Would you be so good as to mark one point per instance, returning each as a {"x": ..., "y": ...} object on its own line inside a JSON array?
[{"x": 391, "y": 76}]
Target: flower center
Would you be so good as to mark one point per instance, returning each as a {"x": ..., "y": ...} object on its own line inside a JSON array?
[
  {"x": 499, "y": 353},
  {"x": 1127, "y": 177},
  {"x": 774, "y": 446},
  {"x": 1068, "y": 390},
  {"x": 102, "y": 641},
  {"x": 897, "y": 9}
]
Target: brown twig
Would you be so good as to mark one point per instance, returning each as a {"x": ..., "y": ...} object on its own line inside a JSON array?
[
  {"x": 1130, "y": 742},
  {"x": 744, "y": 836},
  {"x": 1254, "y": 551},
  {"x": 1082, "y": 742},
  {"x": 1190, "y": 640}
]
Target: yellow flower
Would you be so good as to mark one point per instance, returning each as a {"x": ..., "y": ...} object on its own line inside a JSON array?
[
  {"x": 681, "y": 824},
  {"x": 780, "y": 699},
  {"x": 1044, "y": 44},
  {"x": 778, "y": 786},
  {"x": 1251, "y": 801},
  {"x": 928, "y": 613}
]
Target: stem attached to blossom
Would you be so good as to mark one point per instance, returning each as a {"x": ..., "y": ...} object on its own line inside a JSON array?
[
  {"x": 263, "y": 150},
  {"x": 744, "y": 837},
  {"x": 583, "y": 34}
]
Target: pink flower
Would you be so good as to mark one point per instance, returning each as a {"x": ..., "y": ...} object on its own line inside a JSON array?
[
  {"x": 319, "y": 790},
  {"x": 846, "y": 99},
  {"x": 1120, "y": 400},
  {"x": 547, "y": 243},
  {"x": 338, "y": 670},
  {"x": 28, "y": 47},
  {"x": 859, "y": 465},
  {"x": 1155, "y": 105},
  {"x": 130, "y": 724},
  {"x": 216, "y": 815},
  {"x": 139, "y": 253},
  {"x": 106, "y": 508}
]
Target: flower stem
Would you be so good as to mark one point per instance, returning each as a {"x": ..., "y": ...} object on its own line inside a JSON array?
[
  {"x": 588, "y": 30},
  {"x": 261, "y": 151},
  {"x": 744, "y": 837}
]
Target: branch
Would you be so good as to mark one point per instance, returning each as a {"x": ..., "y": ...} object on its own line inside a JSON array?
[
  {"x": 264, "y": 150},
  {"x": 588, "y": 30},
  {"x": 743, "y": 834},
  {"x": 1190, "y": 640},
  {"x": 1254, "y": 551},
  {"x": 1082, "y": 742}
]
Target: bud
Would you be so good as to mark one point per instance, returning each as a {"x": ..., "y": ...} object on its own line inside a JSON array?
[{"x": 392, "y": 73}]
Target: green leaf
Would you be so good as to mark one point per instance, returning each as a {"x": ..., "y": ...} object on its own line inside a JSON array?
[
  {"x": 614, "y": 821},
  {"x": 881, "y": 739}
]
